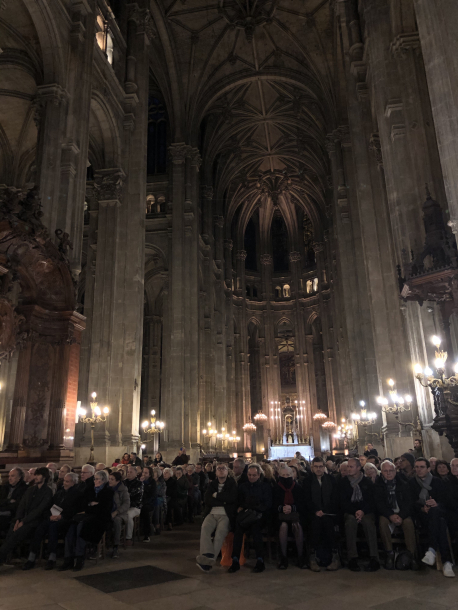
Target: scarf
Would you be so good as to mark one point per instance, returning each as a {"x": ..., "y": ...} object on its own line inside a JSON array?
[
  {"x": 357, "y": 495},
  {"x": 425, "y": 485},
  {"x": 99, "y": 488},
  {"x": 391, "y": 488},
  {"x": 287, "y": 487}
]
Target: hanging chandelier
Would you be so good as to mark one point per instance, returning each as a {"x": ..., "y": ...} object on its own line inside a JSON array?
[
  {"x": 328, "y": 424},
  {"x": 249, "y": 426},
  {"x": 320, "y": 416},
  {"x": 260, "y": 417}
]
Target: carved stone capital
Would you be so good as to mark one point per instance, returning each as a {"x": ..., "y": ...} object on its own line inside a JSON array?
[
  {"x": 294, "y": 257},
  {"x": 241, "y": 255},
  {"x": 207, "y": 191},
  {"x": 318, "y": 246},
  {"x": 108, "y": 185},
  {"x": 405, "y": 42},
  {"x": 228, "y": 244},
  {"x": 266, "y": 259},
  {"x": 178, "y": 152},
  {"x": 196, "y": 159}
]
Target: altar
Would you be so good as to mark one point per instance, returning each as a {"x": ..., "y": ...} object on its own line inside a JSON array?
[{"x": 288, "y": 450}]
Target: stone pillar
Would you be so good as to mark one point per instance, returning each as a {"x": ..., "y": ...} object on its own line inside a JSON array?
[
  {"x": 20, "y": 399},
  {"x": 240, "y": 289},
  {"x": 437, "y": 21},
  {"x": 207, "y": 213}
]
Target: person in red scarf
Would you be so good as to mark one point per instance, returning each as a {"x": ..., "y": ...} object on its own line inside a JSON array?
[{"x": 289, "y": 504}]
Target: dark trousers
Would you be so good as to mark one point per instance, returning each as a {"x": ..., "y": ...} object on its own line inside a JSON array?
[
  {"x": 53, "y": 530},
  {"x": 256, "y": 532},
  {"x": 190, "y": 508},
  {"x": 436, "y": 524},
  {"x": 5, "y": 522},
  {"x": 14, "y": 539},
  {"x": 370, "y": 533},
  {"x": 171, "y": 505},
  {"x": 145, "y": 519},
  {"x": 322, "y": 531},
  {"x": 75, "y": 546}
]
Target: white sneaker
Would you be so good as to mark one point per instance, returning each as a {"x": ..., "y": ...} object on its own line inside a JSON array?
[
  {"x": 429, "y": 558},
  {"x": 447, "y": 570}
]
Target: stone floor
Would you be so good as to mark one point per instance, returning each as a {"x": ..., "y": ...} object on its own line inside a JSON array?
[{"x": 193, "y": 590}]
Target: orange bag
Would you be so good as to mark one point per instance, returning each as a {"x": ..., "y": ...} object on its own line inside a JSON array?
[{"x": 226, "y": 550}]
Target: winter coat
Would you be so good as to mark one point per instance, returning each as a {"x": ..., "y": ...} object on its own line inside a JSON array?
[
  {"x": 135, "y": 489},
  {"x": 97, "y": 518},
  {"x": 34, "y": 505},
  {"x": 149, "y": 493},
  {"x": 257, "y": 496},
  {"x": 11, "y": 504},
  {"x": 227, "y": 497},
  {"x": 345, "y": 494},
  {"x": 68, "y": 500},
  {"x": 403, "y": 498},
  {"x": 182, "y": 491},
  {"x": 324, "y": 497},
  {"x": 121, "y": 498}
]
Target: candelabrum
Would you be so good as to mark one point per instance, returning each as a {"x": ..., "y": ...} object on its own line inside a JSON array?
[
  {"x": 153, "y": 426},
  {"x": 344, "y": 433},
  {"x": 320, "y": 416},
  {"x": 224, "y": 437},
  {"x": 445, "y": 394},
  {"x": 249, "y": 427},
  {"x": 366, "y": 419},
  {"x": 260, "y": 417},
  {"x": 97, "y": 416},
  {"x": 396, "y": 405}
]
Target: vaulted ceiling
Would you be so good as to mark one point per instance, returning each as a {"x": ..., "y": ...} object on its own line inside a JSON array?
[{"x": 252, "y": 85}]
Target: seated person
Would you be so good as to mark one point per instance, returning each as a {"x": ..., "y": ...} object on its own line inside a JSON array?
[
  {"x": 65, "y": 469},
  {"x": 220, "y": 504},
  {"x": 90, "y": 523},
  {"x": 451, "y": 499},
  {"x": 357, "y": 505},
  {"x": 149, "y": 501},
  {"x": 182, "y": 458},
  {"x": 442, "y": 469},
  {"x": 321, "y": 500},
  {"x": 240, "y": 470},
  {"x": 254, "y": 496},
  {"x": 55, "y": 526},
  {"x": 428, "y": 494},
  {"x": 135, "y": 489},
  {"x": 135, "y": 460},
  {"x": 121, "y": 505},
  {"x": 87, "y": 478},
  {"x": 406, "y": 465},
  {"x": 31, "y": 510},
  {"x": 100, "y": 466},
  {"x": 370, "y": 471},
  {"x": 193, "y": 492},
  {"x": 29, "y": 476},
  {"x": 125, "y": 459},
  {"x": 289, "y": 508},
  {"x": 54, "y": 474},
  {"x": 10, "y": 496},
  {"x": 362, "y": 460},
  {"x": 374, "y": 460},
  {"x": 394, "y": 505},
  {"x": 171, "y": 484},
  {"x": 182, "y": 495}
]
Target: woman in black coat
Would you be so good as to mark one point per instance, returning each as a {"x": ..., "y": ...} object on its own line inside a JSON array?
[
  {"x": 90, "y": 523},
  {"x": 288, "y": 505}
]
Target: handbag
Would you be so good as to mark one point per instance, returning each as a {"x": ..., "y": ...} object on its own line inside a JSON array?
[
  {"x": 248, "y": 517},
  {"x": 291, "y": 518}
]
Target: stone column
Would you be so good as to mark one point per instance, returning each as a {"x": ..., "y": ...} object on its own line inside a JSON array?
[
  {"x": 240, "y": 289},
  {"x": 437, "y": 21},
  {"x": 207, "y": 213},
  {"x": 21, "y": 388}
]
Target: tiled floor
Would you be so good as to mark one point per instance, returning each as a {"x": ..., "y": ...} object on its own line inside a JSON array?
[{"x": 174, "y": 552}]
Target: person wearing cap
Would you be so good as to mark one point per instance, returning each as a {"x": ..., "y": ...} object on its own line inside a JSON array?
[{"x": 406, "y": 466}]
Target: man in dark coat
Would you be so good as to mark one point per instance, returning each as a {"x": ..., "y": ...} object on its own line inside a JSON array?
[
  {"x": 240, "y": 471},
  {"x": 393, "y": 501},
  {"x": 219, "y": 514},
  {"x": 255, "y": 495},
  {"x": 357, "y": 505},
  {"x": 55, "y": 525},
  {"x": 32, "y": 508},
  {"x": 87, "y": 478},
  {"x": 321, "y": 499},
  {"x": 429, "y": 497},
  {"x": 181, "y": 459},
  {"x": 10, "y": 496},
  {"x": 451, "y": 498},
  {"x": 135, "y": 460},
  {"x": 371, "y": 450}
]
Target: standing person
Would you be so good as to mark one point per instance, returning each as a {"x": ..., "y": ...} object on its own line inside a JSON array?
[
  {"x": 135, "y": 489},
  {"x": 121, "y": 504},
  {"x": 220, "y": 504},
  {"x": 181, "y": 459},
  {"x": 135, "y": 460},
  {"x": 10, "y": 497},
  {"x": 149, "y": 501},
  {"x": 289, "y": 506},
  {"x": 393, "y": 501},
  {"x": 171, "y": 484},
  {"x": 33, "y": 507},
  {"x": 417, "y": 448},
  {"x": 357, "y": 504},
  {"x": 254, "y": 502},
  {"x": 370, "y": 450},
  {"x": 182, "y": 495},
  {"x": 321, "y": 497},
  {"x": 55, "y": 526},
  {"x": 161, "y": 499},
  {"x": 158, "y": 459}
]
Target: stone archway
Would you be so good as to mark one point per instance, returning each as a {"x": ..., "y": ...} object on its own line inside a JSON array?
[{"x": 37, "y": 317}]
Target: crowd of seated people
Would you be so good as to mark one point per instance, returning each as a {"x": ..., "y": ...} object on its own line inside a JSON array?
[{"x": 315, "y": 505}]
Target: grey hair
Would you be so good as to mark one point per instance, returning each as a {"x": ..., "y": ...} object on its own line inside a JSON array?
[
  {"x": 102, "y": 474},
  {"x": 257, "y": 466},
  {"x": 74, "y": 477},
  {"x": 89, "y": 468},
  {"x": 19, "y": 471},
  {"x": 168, "y": 470},
  {"x": 389, "y": 462},
  {"x": 370, "y": 466},
  {"x": 286, "y": 469},
  {"x": 239, "y": 461}
]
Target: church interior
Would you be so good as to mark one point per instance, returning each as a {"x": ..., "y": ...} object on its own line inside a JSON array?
[{"x": 227, "y": 225}]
